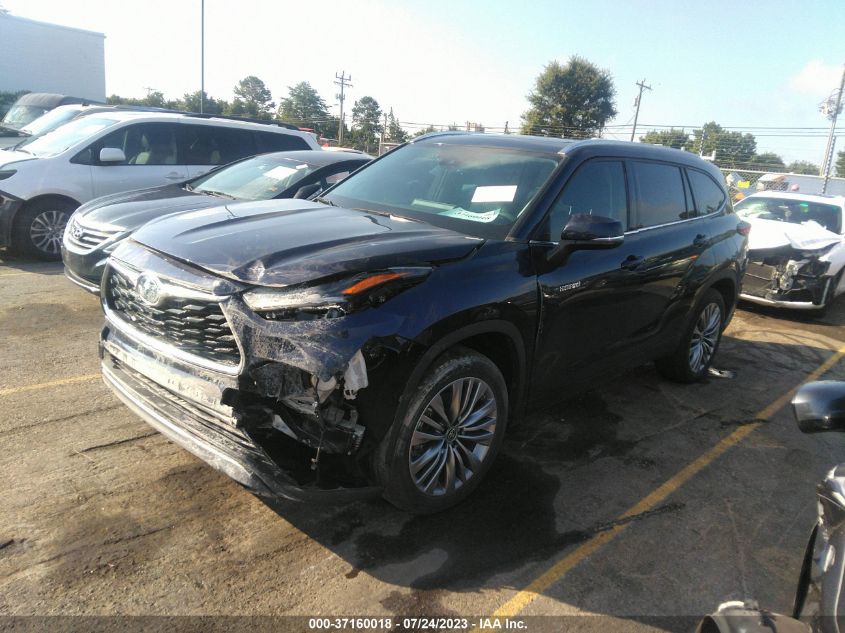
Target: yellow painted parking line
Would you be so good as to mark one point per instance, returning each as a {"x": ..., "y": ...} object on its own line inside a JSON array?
[
  {"x": 46, "y": 385},
  {"x": 557, "y": 571}
]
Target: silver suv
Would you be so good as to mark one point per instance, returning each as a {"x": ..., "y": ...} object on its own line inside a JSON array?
[{"x": 42, "y": 182}]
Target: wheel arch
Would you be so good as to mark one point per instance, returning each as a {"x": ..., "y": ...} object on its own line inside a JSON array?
[
  {"x": 498, "y": 340},
  {"x": 44, "y": 198}
]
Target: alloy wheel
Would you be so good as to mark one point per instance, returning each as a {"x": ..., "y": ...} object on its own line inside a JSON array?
[
  {"x": 452, "y": 436},
  {"x": 705, "y": 336},
  {"x": 47, "y": 230}
]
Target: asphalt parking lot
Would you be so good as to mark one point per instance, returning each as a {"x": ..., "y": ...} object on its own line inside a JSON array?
[{"x": 640, "y": 500}]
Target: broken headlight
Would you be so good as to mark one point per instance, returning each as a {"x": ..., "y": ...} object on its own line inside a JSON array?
[
  {"x": 814, "y": 268},
  {"x": 333, "y": 299}
]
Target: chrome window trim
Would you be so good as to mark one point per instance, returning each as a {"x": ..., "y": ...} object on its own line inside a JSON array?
[{"x": 684, "y": 221}]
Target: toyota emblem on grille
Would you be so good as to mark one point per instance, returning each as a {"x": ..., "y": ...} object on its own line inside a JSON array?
[
  {"x": 76, "y": 231},
  {"x": 148, "y": 288}
]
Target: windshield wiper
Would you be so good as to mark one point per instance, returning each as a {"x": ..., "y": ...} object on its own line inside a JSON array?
[
  {"x": 324, "y": 201},
  {"x": 218, "y": 194}
]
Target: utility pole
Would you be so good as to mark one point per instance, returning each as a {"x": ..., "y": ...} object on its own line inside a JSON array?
[
  {"x": 507, "y": 131},
  {"x": 639, "y": 98},
  {"x": 829, "y": 164},
  {"x": 383, "y": 131},
  {"x": 202, "y": 55},
  {"x": 831, "y": 108},
  {"x": 344, "y": 82}
]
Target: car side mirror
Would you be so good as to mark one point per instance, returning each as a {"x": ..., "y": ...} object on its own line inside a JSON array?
[
  {"x": 820, "y": 406},
  {"x": 112, "y": 155},
  {"x": 587, "y": 232},
  {"x": 307, "y": 191}
]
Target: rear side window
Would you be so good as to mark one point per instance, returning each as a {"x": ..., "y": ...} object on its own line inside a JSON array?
[
  {"x": 210, "y": 145},
  {"x": 270, "y": 142},
  {"x": 597, "y": 188},
  {"x": 709, "y": 196},
  {"x": 660, "y": 194}
]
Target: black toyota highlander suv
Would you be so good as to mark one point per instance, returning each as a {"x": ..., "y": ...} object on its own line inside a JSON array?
[{"x": 381, "y": 337}]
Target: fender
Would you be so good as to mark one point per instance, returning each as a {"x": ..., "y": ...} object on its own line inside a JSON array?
[{"x": 456, "y": 336}]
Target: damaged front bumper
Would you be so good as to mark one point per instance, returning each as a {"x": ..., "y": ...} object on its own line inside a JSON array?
[
  {"x": 273, "y": 405},
  {"x": 185, "y": 406},
  {"x": 787, "y": 278}
]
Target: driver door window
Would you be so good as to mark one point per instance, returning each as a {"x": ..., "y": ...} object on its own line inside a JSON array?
[
  {"x": 152, "y": 159},
  {"x": 596, "y": 188}
]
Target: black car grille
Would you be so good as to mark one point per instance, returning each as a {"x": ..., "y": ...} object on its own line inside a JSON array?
[{"x": 196, "y": 327}]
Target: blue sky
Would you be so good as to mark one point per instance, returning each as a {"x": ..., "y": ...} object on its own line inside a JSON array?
[{"x": 742, "y": 64}]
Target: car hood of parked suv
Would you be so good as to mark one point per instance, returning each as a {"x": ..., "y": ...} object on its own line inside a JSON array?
[
  {"x": 284, "y": 242},
  {"x": 131, "y": 209}
]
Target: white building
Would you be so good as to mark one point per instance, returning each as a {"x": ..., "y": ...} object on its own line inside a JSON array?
[{"x": 43, "y": 57}]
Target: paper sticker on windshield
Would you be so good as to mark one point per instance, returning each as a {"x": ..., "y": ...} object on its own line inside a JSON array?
[
  {"x": 463, "y": 214},
  {"x": 280, "y": 172},
  {"x": 499, "y": 193}
]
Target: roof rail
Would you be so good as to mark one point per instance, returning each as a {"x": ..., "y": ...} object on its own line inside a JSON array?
[
  {"x": 207, "y": 115},
  {"x": 442, "y": 133}
]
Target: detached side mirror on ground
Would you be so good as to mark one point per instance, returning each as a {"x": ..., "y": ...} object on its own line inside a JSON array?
[
  {"x": 112, "y": 155},
  {"x": 587, "y": 232},
  {"x": 820, "y": 406}
]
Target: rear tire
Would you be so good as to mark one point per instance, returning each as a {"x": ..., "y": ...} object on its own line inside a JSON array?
[
  {"x": 443, "y": 444},
  {"x": 698, "y": 346},
  {"x": 39, "y": 228}
]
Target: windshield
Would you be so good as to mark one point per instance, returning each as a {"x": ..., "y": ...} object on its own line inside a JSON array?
[
  {"x": 793, "y": 211},
  {"x": 51, "y": 120},
  {"x": 19, "y": 115},
  {"x": 66, "y": 136},
  {"x": 473, "y": 189},
  {"x": 257, "y": 178}
]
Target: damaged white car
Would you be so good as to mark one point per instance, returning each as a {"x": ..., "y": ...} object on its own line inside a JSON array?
[{"x": 796, "y": 250}]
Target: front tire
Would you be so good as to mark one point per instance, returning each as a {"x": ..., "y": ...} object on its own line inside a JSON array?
[
  {"x": 39, "y": 228},
  {"x": 443, "y": 444},
  {"x": 697, "y": 349}
]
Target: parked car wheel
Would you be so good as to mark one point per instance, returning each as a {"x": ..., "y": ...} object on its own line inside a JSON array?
[
  {"x": 39, "y": 228},
  {"x": 442, "y": 447},
  {"x": 698, "y": 346}
]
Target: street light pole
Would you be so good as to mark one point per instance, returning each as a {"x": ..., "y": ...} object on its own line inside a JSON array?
[{"x": 202, "y": 55}]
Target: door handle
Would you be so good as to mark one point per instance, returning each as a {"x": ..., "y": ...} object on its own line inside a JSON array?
[
  {"x": 174, "y": 175},
  {"x": 632, "y": 262},
  {"x": 700, "y": 240}
]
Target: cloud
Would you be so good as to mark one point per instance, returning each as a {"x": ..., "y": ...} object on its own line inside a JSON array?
[{"x": 816, "y": 79}]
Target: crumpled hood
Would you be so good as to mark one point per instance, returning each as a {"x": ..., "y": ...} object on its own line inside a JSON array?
[
  {"x": 134, "y": 208},
  {"x": 808, "y": 236},
  {"x": 283, "y": 242}
]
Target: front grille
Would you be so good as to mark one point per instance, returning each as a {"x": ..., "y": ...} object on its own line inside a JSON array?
[
  {"x": 194, "y": 326},
  {"x": 86, "y": 238}
]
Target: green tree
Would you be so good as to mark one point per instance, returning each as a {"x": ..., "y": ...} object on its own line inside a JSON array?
[
  {"x": 840, "y": 164},
  {"x": 734, "y": 150},
  {"x": 768, "y": 161},
  {"x": 366, "y": 124},
  {"x": 803, "y": 167},
  {"x": 394, "y": 132},
  {"x": 256, "y": 97},
  {"x": 675, "y": 138},
  {"x": 190, "y": 102},
  {"x": 575, "y": 99},
  {"x": 306, "y": 108},
  {"x": 425, "y": 130}
]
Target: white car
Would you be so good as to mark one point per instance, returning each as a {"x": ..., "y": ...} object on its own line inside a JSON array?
[
  {"x": 42, "y": 182},
  {"x": 796, "y": 249}
]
